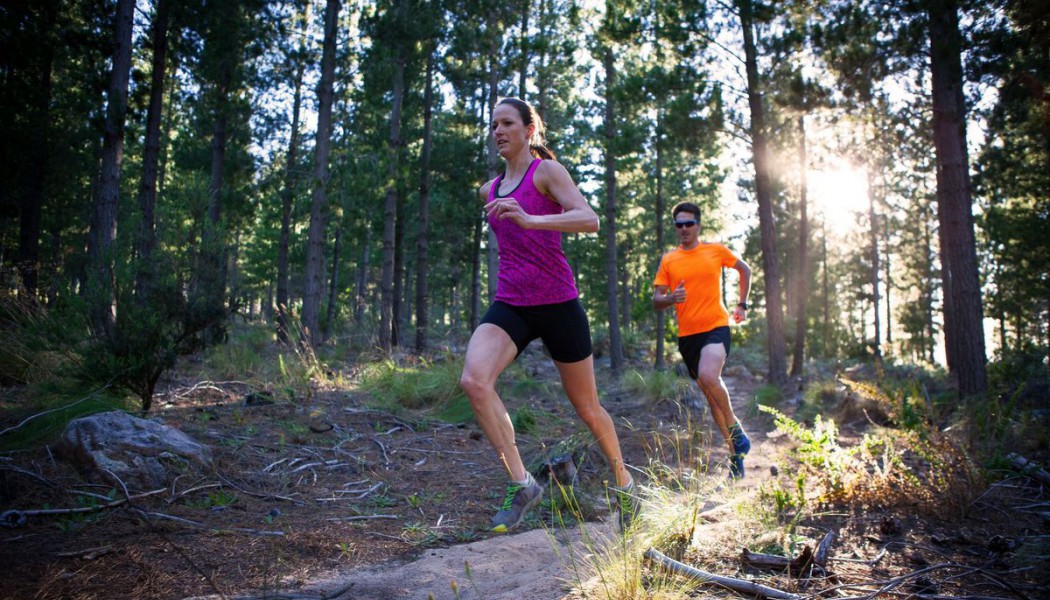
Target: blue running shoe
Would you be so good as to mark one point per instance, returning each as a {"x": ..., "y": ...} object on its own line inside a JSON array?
[{"x": 741, "y": 446}]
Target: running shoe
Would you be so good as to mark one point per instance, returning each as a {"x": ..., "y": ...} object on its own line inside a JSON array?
[
  {"x": 628, "y": 506},
  {"x": 519, "y": 500},
  {"x": 741, "y": 446}
]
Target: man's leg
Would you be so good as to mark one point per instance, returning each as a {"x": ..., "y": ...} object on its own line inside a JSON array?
[{"x": 709, "y": 378}]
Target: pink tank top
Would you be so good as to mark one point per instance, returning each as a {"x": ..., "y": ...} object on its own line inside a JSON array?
[{"x": 532, "y": 266}]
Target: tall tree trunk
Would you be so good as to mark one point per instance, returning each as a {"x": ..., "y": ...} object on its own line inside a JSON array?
[
  {"x": 964, "y": 321},
  {"x": 770, "y": 261},
  {"x": 661, "y": 316},
  {"x": 362, "y": 278},
  {"x": 319, "y": 205},
  {"x": 333, "y": 286},
  {"x": 386, "y": 322},
  {"x": 928, "y": 297},
  {"x": 287, "y": 193},
  {"x": 493, "y": 156},
  {"x": 873, "y": 234},
  {"x": 103, "y": 230},
  {"x": 475, "y": 277},
  {"x": 523, "y": 69},
  {"x": 30, "y": 207},
  {"x": 147, "y": 237},
  {"x": 396, "y": 323},
  {"x": 824, "y": 285},
  {"x": 615, "y": 344},
  {"x": 802, "y": 288},
  {"x": 889, "y": 285},
  {"x": 542, "y": 83},
  {"x": 422, "y": 292}
]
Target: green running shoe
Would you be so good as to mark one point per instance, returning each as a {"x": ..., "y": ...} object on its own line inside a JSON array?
[
  {"x": 519, "y": 500},
  {"x": 628, "y": 506}
]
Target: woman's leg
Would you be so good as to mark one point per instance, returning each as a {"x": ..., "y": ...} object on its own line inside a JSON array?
[
  {"x": 489, "y": 352},
  {"x": 578, "y": 380}
]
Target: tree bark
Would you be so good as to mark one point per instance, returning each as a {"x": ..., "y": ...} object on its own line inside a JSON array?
[
  {"x": 287, "y": 193},
  {"x": 147, "y": 238},
  {"x": 397, "y": 321},
  {"x": 763, "y": 192},
  {"x": 873, "y": 235},
  {"x": 523, "y": 70},
  {"x": 387, "y": 317},
  {"x": 422, "y": 291},
  {"x": 103, "y": 230},
  {"x": 319, "y": 204},
  {"x": 964, "y": 321},
  {"x": 31, "y": 206},
  {"x": 333, "y": 285},
  {"x": 661, "y": 315},
  {"x": 493, "y": 157},
  {"x": 362, "y": 278},
  {"x": 802, "y": 288},
  {"x": 615, "y": 344}
]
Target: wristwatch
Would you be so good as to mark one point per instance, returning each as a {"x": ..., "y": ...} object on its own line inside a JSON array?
[{"x": 742, "y": 305}]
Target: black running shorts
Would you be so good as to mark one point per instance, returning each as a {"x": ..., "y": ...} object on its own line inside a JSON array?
[
  {"x": 563, "y": 327},
  {"x": 690, "y": 347}
]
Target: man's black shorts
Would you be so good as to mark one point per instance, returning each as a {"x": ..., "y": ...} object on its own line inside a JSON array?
[
  {"x": 690, "y": 347},
  {"x": 563, "y": 327}
]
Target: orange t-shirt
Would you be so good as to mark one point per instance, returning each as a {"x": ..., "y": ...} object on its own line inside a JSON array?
[{"x": 701, "y": 269}]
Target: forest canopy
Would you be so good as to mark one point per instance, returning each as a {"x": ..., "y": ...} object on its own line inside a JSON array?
[{"x": 169, "y": 166}]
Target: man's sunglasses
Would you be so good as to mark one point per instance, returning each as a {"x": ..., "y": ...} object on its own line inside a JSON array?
[{"x": 681, "y": 224}]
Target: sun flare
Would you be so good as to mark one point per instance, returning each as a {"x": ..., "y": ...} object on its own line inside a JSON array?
[{"x": 838, "y": 194}]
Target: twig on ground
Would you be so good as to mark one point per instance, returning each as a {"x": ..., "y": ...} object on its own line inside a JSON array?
[
  {"x": 262, "y": 495},
  {"x": 386, "y": 459},
  {"x": 28, "y": 473},
  {"x": 333, "y": 595},
  {"x": 363, "y": 518},
  {"x": 88, "y": 553},
  {"x": 737, "y": 585},
  {"x": 17, "y": 516}
]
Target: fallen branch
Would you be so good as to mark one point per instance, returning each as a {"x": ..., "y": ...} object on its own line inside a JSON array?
[
  {"x": 1028, "y": 467},
  {"x": 87, "y": 554},
  {"x": 28, "y": 473},
  {"x": 298, "y": 596},
  {"x": 191, "y": 523},
  {"x": 363, "y": 518},
  {"x": 820, "y": 557},
  {"x": 15, "y": 518},
  {"x": 736, "y": 585}
]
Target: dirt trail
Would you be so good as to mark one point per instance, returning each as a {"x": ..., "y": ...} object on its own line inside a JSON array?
[{"x": 535, "y": 564}]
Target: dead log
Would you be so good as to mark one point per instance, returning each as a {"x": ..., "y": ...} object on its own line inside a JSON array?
[
  {"x": 797, "y": 566},
  {"x": 820, "y": 557},
  {"x": 1029, "y": 468},
  {"x": 737, "y": 585}
]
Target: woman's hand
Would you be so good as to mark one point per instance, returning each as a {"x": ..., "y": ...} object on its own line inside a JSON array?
[{"x": 508, "y": 208}]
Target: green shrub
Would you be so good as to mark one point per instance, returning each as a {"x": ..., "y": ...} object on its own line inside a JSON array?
[{"x": 418, "y": 385}]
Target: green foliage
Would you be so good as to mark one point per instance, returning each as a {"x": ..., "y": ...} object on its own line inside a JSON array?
[
  {"x": 524, "y": 420},
  {"x": 214, "y": 500},
  {"x": 656, "y": 386},
  {"x": 418, "y": 385}
]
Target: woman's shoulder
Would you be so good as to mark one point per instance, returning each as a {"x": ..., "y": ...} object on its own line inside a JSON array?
[{"x": 483, "y": 191}]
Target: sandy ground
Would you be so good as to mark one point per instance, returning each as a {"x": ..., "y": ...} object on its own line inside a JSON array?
[{"x": 534, "y": 565}]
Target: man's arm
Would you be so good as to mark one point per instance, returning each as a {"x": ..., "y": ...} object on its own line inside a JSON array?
[
  {"x": 740, "y": 312},
  {"x": 663, "y": 299}
]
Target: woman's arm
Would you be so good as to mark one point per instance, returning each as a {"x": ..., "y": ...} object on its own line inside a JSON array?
[{"x": 553, "y": 181}]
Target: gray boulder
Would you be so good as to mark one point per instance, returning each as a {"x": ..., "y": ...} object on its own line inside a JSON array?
[{"x": 143, "y": 454}]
